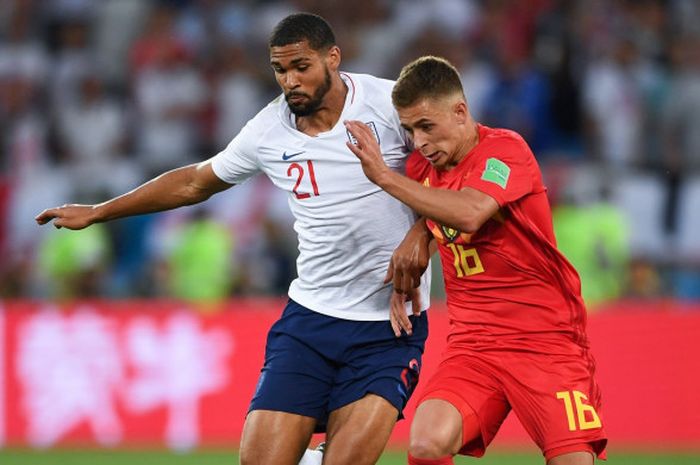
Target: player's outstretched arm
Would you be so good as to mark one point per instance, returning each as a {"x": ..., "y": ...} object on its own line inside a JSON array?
[{"x": 182, "y": 186}]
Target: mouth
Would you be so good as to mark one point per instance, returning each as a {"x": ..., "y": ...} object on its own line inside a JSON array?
[
  {"x": 433, "y": 157},
  {"x": 296, "y": 98}
]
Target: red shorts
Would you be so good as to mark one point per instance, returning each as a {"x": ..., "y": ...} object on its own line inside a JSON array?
[{"x": 554, "y": 396}]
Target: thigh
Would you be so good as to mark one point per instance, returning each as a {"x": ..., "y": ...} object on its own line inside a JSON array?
[
  {"x": 275, "y": 437},
  {"x": 469, "y": 384},
  {"x": 296, "y": 377},
  {"x": 358, "y": 432},
  {"x": 557, "y": 400}
]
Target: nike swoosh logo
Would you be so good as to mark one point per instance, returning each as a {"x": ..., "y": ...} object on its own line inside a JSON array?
[{"x": 286, "y": 157}]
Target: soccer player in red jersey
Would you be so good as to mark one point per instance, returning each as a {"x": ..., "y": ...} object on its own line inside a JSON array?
[{"x": 518, "y": 322}]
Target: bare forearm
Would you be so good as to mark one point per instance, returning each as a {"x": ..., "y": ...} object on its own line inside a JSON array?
[
  {"x": 170, "y": 190},
  {"x": 457, "y": 209}
]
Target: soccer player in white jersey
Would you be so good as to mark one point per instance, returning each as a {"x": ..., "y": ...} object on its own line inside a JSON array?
[{"x": 332, "y": 362}]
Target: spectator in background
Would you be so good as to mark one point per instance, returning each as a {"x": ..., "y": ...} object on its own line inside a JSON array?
[
  {"x": 478, "y": 75},
  {"x": 614, "y": 106},
  {"x": 116, "y": 24},
  {"x": 681, "y": 112},
  {"x": 21, "y": 54},
  {"x": 520, "y": 101},
  {"x": 72, "y": 61},
  {"x": 600, "y": 255},
  {"x": 268, "y": 265},
  {"x": 199, "y": 266},
  {"x": 644, "y": 280},
  {"x": 92, "y": 135},
  {"x": 30, "y": 173},
  {"x": 169, "y": 94},
  {"x": 238, "y": 93},
  {"x": 74, "y": 266},
  {"x": 169, "y": 97}
]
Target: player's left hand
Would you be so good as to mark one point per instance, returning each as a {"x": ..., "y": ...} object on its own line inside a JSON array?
[{"x": 367, "y": 150}]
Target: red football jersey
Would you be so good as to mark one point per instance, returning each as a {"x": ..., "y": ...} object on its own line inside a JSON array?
[{"x": 507, "y": 284}]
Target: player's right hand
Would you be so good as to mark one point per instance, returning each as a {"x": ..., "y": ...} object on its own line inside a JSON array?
[
  {"x": 410, "y": 259},
  {"x": 397, "y": 314},
  {"x": 71, "y": 216}
]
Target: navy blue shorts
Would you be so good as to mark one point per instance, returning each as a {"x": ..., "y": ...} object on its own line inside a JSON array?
[{"x": 315, "y": 364}]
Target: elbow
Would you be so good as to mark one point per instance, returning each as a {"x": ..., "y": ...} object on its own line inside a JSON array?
[
  {"x": 470, "y": 223},
  {"x": 474, "y": 218},
  {"x": 469, "y": 226}
]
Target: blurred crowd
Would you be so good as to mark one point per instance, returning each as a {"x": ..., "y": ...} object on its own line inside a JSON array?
[{"x": 97, "y": 96}]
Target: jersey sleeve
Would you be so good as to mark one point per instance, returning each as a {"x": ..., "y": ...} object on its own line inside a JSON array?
[
  {"x": 238, "y": 161},
  {"x": 503, "y": 171},
  {"x": 417, "y": 167}
]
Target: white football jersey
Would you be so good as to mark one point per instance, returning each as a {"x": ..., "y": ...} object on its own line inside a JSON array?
[{"x": 348, "y": 227}]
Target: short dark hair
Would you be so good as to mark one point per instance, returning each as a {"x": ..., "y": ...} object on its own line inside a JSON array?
[
  {"x": 428, "y": 76},
  {"x": 303, "y": 27}
]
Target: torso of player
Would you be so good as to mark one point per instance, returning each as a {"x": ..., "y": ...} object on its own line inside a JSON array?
[
  {"x": 347, "y": 226},
  {"x": 506, "y": 284}
]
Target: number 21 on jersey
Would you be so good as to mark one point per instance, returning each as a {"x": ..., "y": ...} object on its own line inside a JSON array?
[{"x": 299, "y": 170}]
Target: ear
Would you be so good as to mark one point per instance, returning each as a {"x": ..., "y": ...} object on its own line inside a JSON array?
[
  {"x": 461, "y": 111},
  {"x": 333, "y": 58}
]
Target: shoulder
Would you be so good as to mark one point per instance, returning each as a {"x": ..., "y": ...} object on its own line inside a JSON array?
[
  {"x": 371, "y": 91},
  {"x": 266, "y": 120},
  {"x": 270, "y": 114},
  {"x": 371, "y": 84},
  {"x": 504, "y": 140}
]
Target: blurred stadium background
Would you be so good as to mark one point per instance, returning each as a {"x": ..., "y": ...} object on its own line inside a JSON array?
[{"x": 147, "y": 332}]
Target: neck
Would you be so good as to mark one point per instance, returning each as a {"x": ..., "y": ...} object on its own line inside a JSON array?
[
  {"x": 328, "y": 114},
  {"x": 471, "y": 140}
]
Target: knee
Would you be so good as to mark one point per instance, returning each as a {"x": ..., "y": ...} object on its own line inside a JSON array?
[{"x": 431, "y": 446}]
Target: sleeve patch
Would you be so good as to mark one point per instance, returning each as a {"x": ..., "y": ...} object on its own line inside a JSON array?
[{"x": 496, "y": 172}]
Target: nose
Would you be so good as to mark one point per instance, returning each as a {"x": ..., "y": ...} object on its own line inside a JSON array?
[
  {"x": 419, "y": 140},
  {"x": 290, "y": 80}
]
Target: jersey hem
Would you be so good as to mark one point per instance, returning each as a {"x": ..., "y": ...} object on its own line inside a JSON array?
[{"x": 376, "y": 315}]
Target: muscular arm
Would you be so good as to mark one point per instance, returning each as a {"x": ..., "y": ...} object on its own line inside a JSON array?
[
  {"x": 182, "y": 186},
  {"x": 465, "y": 210}
]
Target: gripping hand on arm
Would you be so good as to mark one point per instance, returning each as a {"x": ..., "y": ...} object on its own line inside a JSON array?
[
  {"x": 408, "y": 263},
  {"x": 410, "y": 259},
  {"x": 182, "y": 186},
  {"x": 368, "y": 151}
]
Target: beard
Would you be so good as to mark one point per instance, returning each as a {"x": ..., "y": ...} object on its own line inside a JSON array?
[{"x": 314, "y": 102}]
